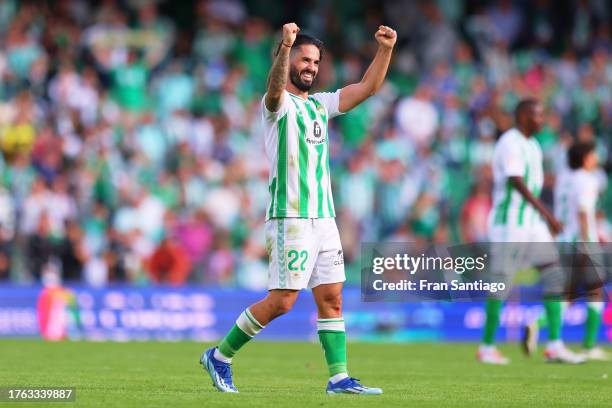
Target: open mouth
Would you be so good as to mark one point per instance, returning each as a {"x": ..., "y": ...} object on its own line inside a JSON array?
[{"x": 307, "y": 76}]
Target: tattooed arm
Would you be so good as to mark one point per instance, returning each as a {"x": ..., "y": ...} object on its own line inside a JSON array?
[{"x": 277, "y": 78}]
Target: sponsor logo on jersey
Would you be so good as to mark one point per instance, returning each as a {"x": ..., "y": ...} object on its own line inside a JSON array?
[
  {"x": 339, "y": 258},
  {"x": 317, "y": 132}
]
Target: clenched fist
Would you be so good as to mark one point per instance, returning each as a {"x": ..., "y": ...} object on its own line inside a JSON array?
[
  {"x": 385, "y": 36},
  {"x": 290, "y": 30}
]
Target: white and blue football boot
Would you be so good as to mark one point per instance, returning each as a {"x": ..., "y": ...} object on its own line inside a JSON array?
[
  {"x": 351, "y": 385},
  {"x": 220, "y": 372}
]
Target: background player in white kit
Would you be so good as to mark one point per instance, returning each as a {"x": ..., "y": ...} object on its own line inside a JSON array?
[
  {"x": 519, "y": 218},
  {"x": 576, "y": 192},
  {"x": 301, "y": 234}
]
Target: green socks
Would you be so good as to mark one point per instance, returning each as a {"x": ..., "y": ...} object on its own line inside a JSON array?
[
  {"x": 331, "y": 334},
  {"x": 333, "y": 341},
  {"x": 553, "y": 320},
  {"x": 493, "y": 307},
  {"x": 245, "y": 328},
  {"x": 542, "y": 321},
  {"x": 591, "y": 328},
  {"x": 594, "y": 310},
  {"x": 554, "y": 317}
]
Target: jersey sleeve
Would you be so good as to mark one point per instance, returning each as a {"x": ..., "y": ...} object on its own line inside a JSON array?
[
  {"x": 272, "y": 117},
  {"x": 331, "y": 101},
  {"x": 512, "y": 161}
]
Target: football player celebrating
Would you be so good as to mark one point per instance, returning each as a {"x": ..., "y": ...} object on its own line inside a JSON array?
[{"x": 301, "y": 235}]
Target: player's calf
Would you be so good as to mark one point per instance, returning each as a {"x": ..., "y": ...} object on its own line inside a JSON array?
[
  {"x": 277, "y": 303},
  {"x": 529, "y": 340}
]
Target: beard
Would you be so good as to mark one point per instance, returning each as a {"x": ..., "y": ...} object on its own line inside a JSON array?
[{"x": 296, "y": 79}]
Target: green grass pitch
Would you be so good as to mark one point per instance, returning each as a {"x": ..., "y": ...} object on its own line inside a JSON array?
[{"x": 270, "y": 374}]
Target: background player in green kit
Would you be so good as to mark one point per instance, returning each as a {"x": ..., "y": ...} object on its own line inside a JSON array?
[
  {"x": 577, "y": 189},
  {"x": 301, "y": 235},
  {"x": 517, "y": 220},
  {"x": 576, "y": 203}
]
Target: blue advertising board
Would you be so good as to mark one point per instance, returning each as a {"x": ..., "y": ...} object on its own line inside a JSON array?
[{"x": 194, "y": 313}]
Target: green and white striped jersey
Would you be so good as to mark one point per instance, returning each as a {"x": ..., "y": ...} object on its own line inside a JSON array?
[
  {"x": 516, "y": 155},
  {"x": 576, "y": 191},
  {"x": 297, "y": 146}
]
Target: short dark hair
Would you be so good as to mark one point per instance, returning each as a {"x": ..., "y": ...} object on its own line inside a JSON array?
[
  {"x": 523, "y": 106},
  {"x": 577, "y": 153},
  {"x": 305, "y": 39}
]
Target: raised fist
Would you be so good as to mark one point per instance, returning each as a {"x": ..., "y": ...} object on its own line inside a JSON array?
[
  {"x": 290, "y": 30},
  {"x": 386, "y": 36}
]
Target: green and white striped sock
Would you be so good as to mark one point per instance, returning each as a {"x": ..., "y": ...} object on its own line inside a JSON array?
[
  {"x": 245, "y": 328},
  {"x": 333, "y": 340}
]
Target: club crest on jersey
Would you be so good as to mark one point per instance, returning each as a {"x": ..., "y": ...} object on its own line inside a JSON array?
[{"x": 317, "y": 133}]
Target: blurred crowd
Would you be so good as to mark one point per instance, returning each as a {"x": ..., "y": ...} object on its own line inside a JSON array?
[{"x": 131, "y": 138}]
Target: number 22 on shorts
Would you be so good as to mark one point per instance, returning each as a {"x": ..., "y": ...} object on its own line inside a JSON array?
[{"x": 297, "y": 260}]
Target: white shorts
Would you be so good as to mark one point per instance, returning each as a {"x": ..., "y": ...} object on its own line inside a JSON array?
[
  {"x": 538, "y": 232},
  {"x": 514, "y": 248},
  {"x": 303, "y": 253}
]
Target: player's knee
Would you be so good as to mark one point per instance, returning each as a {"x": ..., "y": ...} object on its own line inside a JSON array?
[{"x": 283, "y": 305}]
